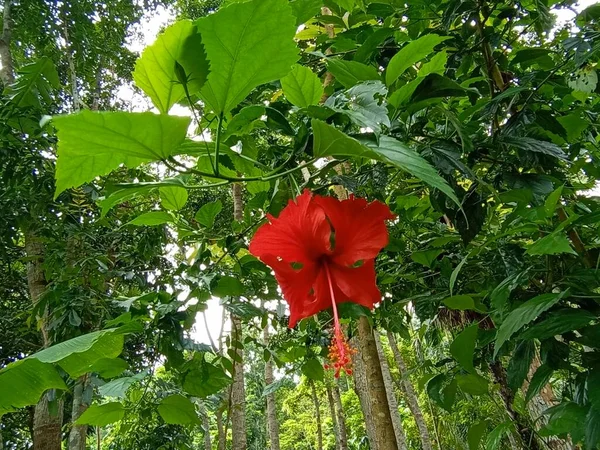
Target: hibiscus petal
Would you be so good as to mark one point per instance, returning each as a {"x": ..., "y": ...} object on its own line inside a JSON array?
[
  {"x": 301, "y": 233},
  {"x": 297, "y": 287},
  {"x": 360, "y": 230},
  {"x": 358, "y": 284}
]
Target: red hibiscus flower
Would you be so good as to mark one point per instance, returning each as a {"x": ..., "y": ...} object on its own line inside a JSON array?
[{"x": 323, "y": 251}]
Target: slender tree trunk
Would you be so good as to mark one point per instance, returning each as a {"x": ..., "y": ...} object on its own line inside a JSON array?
[
  {"x": 377, "y": 396},
  {"x": 7, "y": 73},
  {"x": 410, "y": 394},
  {"x": 70, "y": 60},
  {"x": 205, "y": 426},
  {"x": 221, "y": 437},
  {"x": 238, "y": 392},
  {"x": 391, "y": 395},
  {"x": 315, "y": 399},
  {"x": 78, "y": 433},
  {"x": 524, "y": 429},
  {"x": 360, "y": 387},
  {"x": 341, "y": 419},
  {"x": 46, "y": 426},
  {"x": 98, "y": 438},
  {"x": 336, "y": 431},
  {"x": 273, "y": 424}
]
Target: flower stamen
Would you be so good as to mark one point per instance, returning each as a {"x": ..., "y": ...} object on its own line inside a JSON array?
[{"x": 340, "y": 352}]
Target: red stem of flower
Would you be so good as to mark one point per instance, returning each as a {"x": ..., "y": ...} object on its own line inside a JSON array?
[{"x": 336, "y": 322}]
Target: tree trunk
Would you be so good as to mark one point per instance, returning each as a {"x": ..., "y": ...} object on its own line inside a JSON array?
[
  {"x": 315, "y": 399},
  {"x": 238, "y": 392},
  {"x": 220, "y": 430},
  {"x": 272, "y": 423},
  {"x": 540, "y": 403},
  {"x": 391, "y": 396},
  {"x": 341, "y": 419},
  {"x": 333, "y": 414},
  {"x": 410, "y": 394},
  {"x": 78, "y": 433},
  {"x": 7, "y": 72},
  {"x": 205, "y": 425},
  {"x": 70, "y": 60},
  {"x": 360, "y": 387},
  {"x": 377, "y": 396},
  {"x": 47, "y": 426},
  {"x": 523, "y": 428}
]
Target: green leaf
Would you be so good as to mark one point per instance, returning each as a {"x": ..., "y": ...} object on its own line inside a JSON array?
[
  {"x": 152, "y": 218},
  {"x": 205, "y": 379},
  {"x": 208, "y": 212},
  {"x": 552, "y": 244},
  {"x": 540, "y": 378},
  {"x": 559, "y": 322},
  {"x": 472, "y": 384},
  {"x": 552, "y": 200},
  {"x": 426, "y": 257},
  {"x": 246, "y": 120},
  {"x": 435, "y": 86},
  {"x": 92, "y": 144},
  {"x": 411, "y": 54},
  {"x": 536, "y": 146},
  {"x": 192, "y": 59},
  {"x": 329, "y": 141},
  {"x": 23, "y": 382},
  {"x": 519, "y": 365},
  {"x": 402, "y": 95},
  {"x": 36, "y": 80},
  {"x": 475, "y": 434},
  {"x": 228, "y": 286},
  {"x": 363, "y": 104},
  {"x": 247, "y": 44},
  {"x": 304, "y": 10},
  {"x": 313, "y": 370},
  {"x": 155, "y": 70},
  {"x": 441, "y": 391},
  {"x": 302, "y": 87},
  {"x": 463, "y": 348},
  {"x": 398, "y": 154},
  {"x": 437, "y": 64},
  {"x": 348, "y": 5},
  {"x": 495, "y": 437},
  {"x": 118, "y": 388},
  {"x": 593, "y": 387},
  {"x": 350, "y": 73},
  {"x": 173, "y": 198},
  {"x": 178, "y": 410},
  {"x": 524, "y": 314},
  {"x": 371, "y": 43},
  {"x": 460, "y": 302},
  {"x": 102, "y": 415},
  {"x": 592, "y": 428},
  {"x": 109, "y": 367},
  {"x": 564, "y": 419}
]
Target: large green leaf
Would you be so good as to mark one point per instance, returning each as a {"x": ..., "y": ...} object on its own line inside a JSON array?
[
  {"x": 519, "y": 365},
  {"x": 552, "y": 244},
  {"x": 205, "y": 379},
  {"x": 152, "y": 219},
  {"x": 441, "y": 391},
  {"x": 495, "y": 437},
  {"x": 177, "y": 409},
  {"x": 102, "y": 415},
  {"x": 524, "y": 314},
  {"x": 302, "y": 87},
  {"x": 475, "y": 434},
  {"x": 559, "y": 322},
  {"x": 410, "y": 54},
  {"x": 398, "y": 154},
  {"x": 22, "y": 383},
  {"x": 155, "y": 70},
  {"x": 35, "y": 81},
  {"x": 247, "y": 44},
  {"x": 173, "y": 198},
  {"x": 564, "y": 418},
  {"x": 350, "y": 73},
  {"x": 313, "y": 369},
  {"x": 472, "y": 384},
  {"x": 118, "y": 388},
  {"x": 540, "y": 378},
  {"x": 463, "y": 347},
  {"x": 92, "y": 144},
  {"x": 329, "y": 141},
  {"x": 208, "y": 212}
]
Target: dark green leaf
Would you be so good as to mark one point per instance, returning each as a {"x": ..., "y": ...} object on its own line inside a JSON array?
[
  {"x": 435, "y": 85},
  {"x": 472, "y": 384},
  {"x": 228, "y": 287},
  {"x": 540, "y": 378},
  {"x": 313, "y": 369},
  {"x": 524, "y": 314},
  {"x": 205, "y": 379},
  {"x": 475, "y": 434},
  {"x": 553, "y": 244},
  {"x": 559, "y": 322},
  {"x": 463, "y": 347},
  {"x": 208, "y": 212},
  {"x": 350, "y": 73},
  {"x": 495, "y": 437},
  {"x": 519, "y": 365},
  {"x": 564, "y": 419}
]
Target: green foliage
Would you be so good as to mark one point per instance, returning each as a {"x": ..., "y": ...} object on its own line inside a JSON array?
[{"x": 302, "y": 87}]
